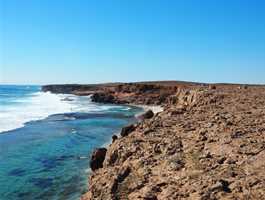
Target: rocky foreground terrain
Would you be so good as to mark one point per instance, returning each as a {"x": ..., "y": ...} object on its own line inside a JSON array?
[{"x": 208, "y": 143}]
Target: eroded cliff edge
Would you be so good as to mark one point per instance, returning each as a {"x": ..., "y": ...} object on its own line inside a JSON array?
[{"x": 208, "y": 143}]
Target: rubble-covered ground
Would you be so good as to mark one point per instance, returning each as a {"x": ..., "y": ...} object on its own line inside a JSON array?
[{"x": 208, "y": 143}]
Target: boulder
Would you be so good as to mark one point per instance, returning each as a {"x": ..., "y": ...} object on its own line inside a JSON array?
[
  {"x": 127, "y": 130},
  {"x": 245, "y": 87},
  {"x": 147, "y": 115},
  {"x": 97, "y": 158},
  {"x": 221, "y": 185},
  {"x": 212, "y": 87},
  {"x": 114, "y": 138}
]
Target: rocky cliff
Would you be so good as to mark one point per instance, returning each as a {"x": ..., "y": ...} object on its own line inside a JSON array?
[
  {"x": 145, "y": 93},
  {"x": 208, "y": 143}
]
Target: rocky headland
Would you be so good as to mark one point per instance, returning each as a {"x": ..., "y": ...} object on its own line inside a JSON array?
[{"x": 207, "y": 143}]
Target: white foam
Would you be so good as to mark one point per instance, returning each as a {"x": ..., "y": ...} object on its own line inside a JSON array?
[
  {"x": 42, "y": 104},
  {"x": 155, "y": 109},
  {"x": 36, "y": 107}
]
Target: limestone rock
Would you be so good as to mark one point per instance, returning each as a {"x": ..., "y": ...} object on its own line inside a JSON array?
[{"x": 205, "y": 144}]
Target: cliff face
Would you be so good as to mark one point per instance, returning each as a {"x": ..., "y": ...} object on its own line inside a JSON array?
[
  {"x": 146, "y": 93},
  {"x": 206, "y": 144},
  {"x": 135, "y": 93}
]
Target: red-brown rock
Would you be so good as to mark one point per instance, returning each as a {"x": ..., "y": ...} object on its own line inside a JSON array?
[
  {"x": 147, "y": 115},
  {"x": 97, "y": 158},
  {"x": 127, "y": 130}
]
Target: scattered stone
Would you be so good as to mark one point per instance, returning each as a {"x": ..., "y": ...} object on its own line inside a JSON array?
[
  {"x": 212, "y": 150},
  {"x": 202, "y": 138},
  {"x": 237, "y": 134},
  {"x": 221, "y": 185},
  {"x": 221, "y": 160},
  {"x": 230, "y": 161},
  {"x": 229, "y": 123}
]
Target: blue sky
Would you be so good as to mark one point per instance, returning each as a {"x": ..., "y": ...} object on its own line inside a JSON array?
[{"x": 90, "y": 41}]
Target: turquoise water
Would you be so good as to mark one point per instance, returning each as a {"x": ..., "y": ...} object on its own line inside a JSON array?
[{"x": 45, "y": 155}]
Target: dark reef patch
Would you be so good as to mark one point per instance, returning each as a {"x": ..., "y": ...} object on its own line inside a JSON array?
[
  {"x": 52, "y": 162},
  {"x": 17, "y": 172},
  {"x": 42, "y": 182},
  {"x": 23, "y": 195}
]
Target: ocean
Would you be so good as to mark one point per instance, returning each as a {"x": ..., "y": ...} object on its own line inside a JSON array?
[{"x": 46, "y": 140}]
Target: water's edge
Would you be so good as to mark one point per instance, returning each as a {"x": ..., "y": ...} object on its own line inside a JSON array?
[{"x": 48, "y": 158}]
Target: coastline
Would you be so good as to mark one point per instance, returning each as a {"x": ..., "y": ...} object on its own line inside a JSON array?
[
  {"x": 58, "y": 144},
  {"x": 200, "y": 140}
]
